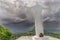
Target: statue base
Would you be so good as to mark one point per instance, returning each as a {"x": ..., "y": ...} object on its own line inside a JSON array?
[{"x": 40, "y": 38}]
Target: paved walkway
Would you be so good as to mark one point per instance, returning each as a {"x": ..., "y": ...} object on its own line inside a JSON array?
[{"x": 30, "y": 38}]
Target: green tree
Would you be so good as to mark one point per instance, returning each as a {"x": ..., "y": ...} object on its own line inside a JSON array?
[{"x": 5, "y": 34}]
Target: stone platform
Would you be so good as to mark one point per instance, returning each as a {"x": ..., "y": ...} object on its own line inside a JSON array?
[{"x": 30, "y": 38}]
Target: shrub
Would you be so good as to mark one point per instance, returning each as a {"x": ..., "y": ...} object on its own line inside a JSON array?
[{"x": 5, "y": 34}]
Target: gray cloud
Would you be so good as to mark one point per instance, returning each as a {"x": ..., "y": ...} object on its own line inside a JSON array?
[{"x": 14, "y": 16}]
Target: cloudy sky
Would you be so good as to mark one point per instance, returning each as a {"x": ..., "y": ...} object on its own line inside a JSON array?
[{"x": 14, "y": 13}]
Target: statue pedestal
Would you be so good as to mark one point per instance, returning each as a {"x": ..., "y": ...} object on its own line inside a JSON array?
[{"x": 40, "y": 38}]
